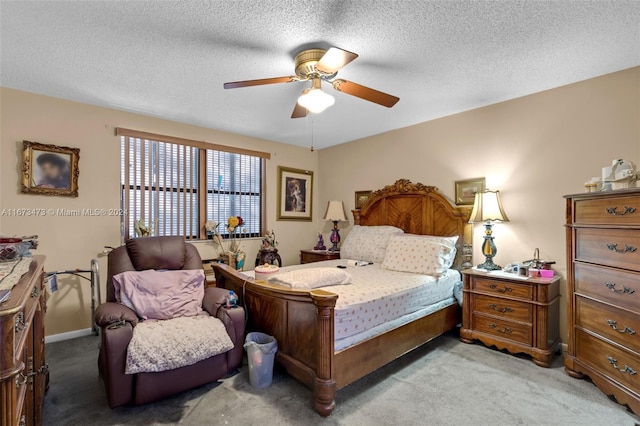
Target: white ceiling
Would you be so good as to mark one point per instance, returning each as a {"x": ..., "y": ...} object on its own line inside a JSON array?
[{"x": 170, "y": 58}]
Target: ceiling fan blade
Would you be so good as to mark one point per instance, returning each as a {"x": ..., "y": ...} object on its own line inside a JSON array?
[
  {"x": 334, "y": 59},
  {"x": 299, "y": 111},
  {"x": 261, "y": 82},
  {"x": 365, "y": 93}
]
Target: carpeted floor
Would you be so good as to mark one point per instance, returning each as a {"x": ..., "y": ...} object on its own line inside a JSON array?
[{"x": 445, "y": 382}]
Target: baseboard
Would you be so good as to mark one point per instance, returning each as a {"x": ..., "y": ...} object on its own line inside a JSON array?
[{"x": 67, "y": 336}]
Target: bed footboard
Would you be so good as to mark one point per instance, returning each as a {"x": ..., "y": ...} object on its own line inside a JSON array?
[{"x": 301, "y": 321}]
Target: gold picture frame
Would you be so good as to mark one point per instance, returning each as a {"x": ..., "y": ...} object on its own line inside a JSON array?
[
  {"x": 466, "y": 190},
  {"x": 361, "y": 198},
  {"x": 49, "y": 169},
  {"x": 295, "y": 194}
]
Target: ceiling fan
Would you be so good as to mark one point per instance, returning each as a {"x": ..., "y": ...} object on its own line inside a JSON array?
[{"x": 318, "y": 65}]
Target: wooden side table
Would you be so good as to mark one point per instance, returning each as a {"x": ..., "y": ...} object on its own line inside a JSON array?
[
  {"x": 310, "y": 256},
  {"x": 521, "y": 316}
]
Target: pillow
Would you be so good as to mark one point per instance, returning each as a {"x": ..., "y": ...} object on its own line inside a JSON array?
[
  {"x": 161, "y": 294},
  {"x": 368, "y": 242},
  {"x": 449, "y": 241},
  {"x": 311, "y": 278},
  {"x": 418, "y": 255}
]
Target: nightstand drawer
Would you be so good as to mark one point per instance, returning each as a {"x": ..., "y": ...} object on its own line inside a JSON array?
[
  {"x": 509, "y": 309},
  {"x": 618, "y": 325},
  {"x": 619, "y": 248},
  {"x": 617, "y": 287},
  {"x": 503, "y": 288},
  {"x": 610, "y": 211},
  {"x": 311, "y": 256},
  {"x": 506, "y": 329}
]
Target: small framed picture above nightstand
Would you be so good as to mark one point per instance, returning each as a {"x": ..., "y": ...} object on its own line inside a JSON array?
[{"x": 310, "y": 256}]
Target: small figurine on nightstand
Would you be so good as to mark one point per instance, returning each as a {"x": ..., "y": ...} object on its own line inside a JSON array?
[
  {"x": 320, "y": 245},
  {"x": 268, "y": 253}
]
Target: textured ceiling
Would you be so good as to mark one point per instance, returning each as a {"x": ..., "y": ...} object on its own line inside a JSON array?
[{"x": 170, "y": 58}]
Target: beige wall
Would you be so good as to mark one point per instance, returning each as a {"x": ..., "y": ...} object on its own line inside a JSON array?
[
  {"x": 71, "y": 242},
  {"x": 533, "y": 149}
]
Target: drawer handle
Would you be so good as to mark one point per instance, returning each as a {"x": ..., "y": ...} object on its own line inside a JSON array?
[
  {"x": 500, "y": 290},
  {"x": 626, "y": 369},
  {"x": 625, "y": 290},
  {"x": 627, "y": 210},
  {"x": 502, "y": 310},
  {"x": 19, "y": 324},
  {"x": 505, "y": 330},
  {"x": 627, "y": 248},
  {"x": 21, "y": 379},
  {"x": 614, "y": 324},
  {"x": 35, "y": 292}
]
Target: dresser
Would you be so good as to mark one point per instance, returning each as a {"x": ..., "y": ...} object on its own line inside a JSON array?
[
  {"x": 23, "y": 371},
  {"x": 310, "y": 256},
  {"x": 519, "y": 315},
  {"x": 603, "y": 278}
]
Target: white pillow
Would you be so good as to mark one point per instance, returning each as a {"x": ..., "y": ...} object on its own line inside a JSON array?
[
  {"x": 419, "y": 255},
  {"x": 368, "y": 242},
  {"x": 311, "y": 278}
]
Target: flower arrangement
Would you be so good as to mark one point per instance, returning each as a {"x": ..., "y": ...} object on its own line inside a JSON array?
[
  {"x": 142, "y": 229},
  {"x": 233, "y": 223}
]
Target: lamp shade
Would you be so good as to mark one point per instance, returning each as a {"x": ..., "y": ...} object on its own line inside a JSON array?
[
  {"x": 488, "y": 207},
  {"x": 335, "y": 212}
]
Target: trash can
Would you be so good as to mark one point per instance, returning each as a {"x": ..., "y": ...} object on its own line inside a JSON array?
[{"x": 261, "y": 351}]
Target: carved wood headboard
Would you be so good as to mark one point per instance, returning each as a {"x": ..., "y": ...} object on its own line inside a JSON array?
[{"x": 417, "y": 209}]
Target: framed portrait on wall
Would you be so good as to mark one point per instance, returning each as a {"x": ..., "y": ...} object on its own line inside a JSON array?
[
  {"x": 49, "y": 169},
  {"x": 466, "y": 190},
  {"x": 295, "y": 194}
]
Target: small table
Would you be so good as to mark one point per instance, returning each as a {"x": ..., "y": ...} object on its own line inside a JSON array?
[
  {"x": 310, "y": 256},
  {"x": 519, "y": 315}
]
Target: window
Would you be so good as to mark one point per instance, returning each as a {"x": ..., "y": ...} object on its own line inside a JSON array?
[{"x": 176, "y": 185}]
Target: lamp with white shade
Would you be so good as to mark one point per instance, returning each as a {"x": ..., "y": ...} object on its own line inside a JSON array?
[
  {"x": 335, "y": 213},
  {"x": 487, "y": 208}
]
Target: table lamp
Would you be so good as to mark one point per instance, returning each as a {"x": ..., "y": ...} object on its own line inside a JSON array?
[
  {"x": 335, "y": 213},
  {"x": 487, "y": 208}
]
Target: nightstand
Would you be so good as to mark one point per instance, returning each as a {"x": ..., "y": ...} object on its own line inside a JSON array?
[
  {"x": 519, "y": 315},
  {"x": 310, "y": 256}
]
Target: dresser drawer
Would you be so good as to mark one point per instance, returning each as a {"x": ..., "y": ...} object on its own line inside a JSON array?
[
  {"x": 611, "y": 247},
  {"x": 509, "y": 309},
  {"x": 608, "y": 211},
  {"x": 506, "y": 329},
  {"x": 503, "y": 288},
  {"x": 615, "y": 324},
  {"x": 614, "y": 362},
  {"x": 614, "y": 286}
]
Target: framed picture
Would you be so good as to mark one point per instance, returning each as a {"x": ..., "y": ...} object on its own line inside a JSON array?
[
  {"x": 361, "y": 198},
  {"x": 295, "y": 194},
  {"x": 49, "y": 169},
  {"x": 466, "y": 190}
]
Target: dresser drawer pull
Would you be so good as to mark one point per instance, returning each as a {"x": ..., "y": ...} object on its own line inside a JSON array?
[
  {"x": 19, "y": 324},
  {"x": 626, "y": 369},
  {"x": 500, "y": 290},
  {"x": 35, "y": 292},
  {"x": 614, "y": 324},
  {"x": 627, "y": 248},
  {"x": 502, "y": 310},
  {"x": 505, "y": 330},
  {"x": 613, "y": 211},
  {"x": 21, "y": 379},
  {"x": 625, "y": 290}
]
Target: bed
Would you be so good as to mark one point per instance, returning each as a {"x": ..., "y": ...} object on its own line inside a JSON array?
[{"x": 303, "y": 321}]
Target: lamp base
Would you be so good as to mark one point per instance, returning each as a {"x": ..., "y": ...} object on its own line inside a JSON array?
[
  {"x": 335, "y": 237},
  {"x": 489, "y": 250},
  {"x": 488, "y": 265}
]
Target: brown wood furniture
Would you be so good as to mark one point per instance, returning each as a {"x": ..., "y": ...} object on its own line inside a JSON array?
[
  {"x": 603, "y": 274},
  {"x": 520, "y": 316},
  {"x": 310, "y": 256},
  {"x": 303, "y": 321},
  {"x": 23, "y": 371}
]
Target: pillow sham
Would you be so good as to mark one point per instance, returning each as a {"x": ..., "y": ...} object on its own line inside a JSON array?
[
  {"x": 450, "y": 241},
  {"x": 418, "y": 255},
  {"x": 368, "y": 242},
  {"x": 306, "y": 279},
  {"x": 161, "y": 295}
]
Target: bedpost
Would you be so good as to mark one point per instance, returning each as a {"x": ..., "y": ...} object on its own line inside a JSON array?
[{"x": 324, "y": 387}]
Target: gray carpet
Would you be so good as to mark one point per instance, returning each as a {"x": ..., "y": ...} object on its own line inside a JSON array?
[{"x": 445, "y": 382}]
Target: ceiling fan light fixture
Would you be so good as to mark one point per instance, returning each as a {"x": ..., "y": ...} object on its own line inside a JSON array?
[{"x": 315, "y": 100}]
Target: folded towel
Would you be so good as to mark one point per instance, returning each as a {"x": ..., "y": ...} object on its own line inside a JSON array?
[{"x": 311, "y": 278}]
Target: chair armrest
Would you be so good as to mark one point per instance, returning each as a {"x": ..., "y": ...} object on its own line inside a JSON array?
[
  {"x": 111, "y": 313},
  {"x": 214, "y": 298}
]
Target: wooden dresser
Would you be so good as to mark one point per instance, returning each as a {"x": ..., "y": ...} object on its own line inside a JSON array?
[
  {"x": 603, "y": 277},
  {"x": 521, "y": 316},
  {"x": 23, "y": 371},
  {"x": 311, "y": 256}
]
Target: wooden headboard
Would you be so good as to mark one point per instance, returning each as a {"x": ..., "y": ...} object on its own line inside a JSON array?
[{"x": 417, "y": 209}]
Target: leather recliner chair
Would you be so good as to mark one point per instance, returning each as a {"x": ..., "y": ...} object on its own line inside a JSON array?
[{"x": 117, "y": 322}]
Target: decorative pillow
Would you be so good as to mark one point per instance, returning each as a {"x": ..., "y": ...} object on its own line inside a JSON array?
[
  {"x": 311, "y": 278},
  {"x": 449, "y": 241},
  {"x": 368, "y": 242},
  {"x": 161, "y": 295},
  {"x": 417, "y": 255}
]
